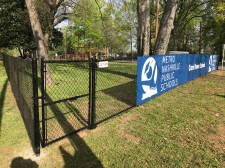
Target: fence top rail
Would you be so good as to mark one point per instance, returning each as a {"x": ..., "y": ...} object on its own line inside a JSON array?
[
  {"x": 70, "y": 61},
  {"x": 63, "y": 61},
  {"x": 118, "y": 59}
]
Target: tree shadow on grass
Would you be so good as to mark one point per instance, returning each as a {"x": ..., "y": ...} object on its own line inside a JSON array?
[
  {"x": 77, "y": 114},
  {"x": 204, "y": 94},
  {"x": 223, "y": 96},
  {"x": 117, "y": 94},
  {"x": 83, "y": 156},
  {"x": 2, "y": 99},
  {"x": 62, "y": 119},
  {"x": 118, "y": 72},
  {"x": 125, "y": 93},
  {"x": 114, "y": 101}
]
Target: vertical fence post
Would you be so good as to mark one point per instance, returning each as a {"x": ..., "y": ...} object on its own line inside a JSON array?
[
  {"x": 43, "y": 101},
  {"x": 93, "y": 115},
  {"x": 92, "y": 93},
  {"x": 36, "y": 110}
]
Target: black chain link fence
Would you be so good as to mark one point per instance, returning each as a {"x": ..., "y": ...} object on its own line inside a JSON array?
[
  {"x": 66, "y": 98},
  {"x": 74, "y": 94},
  {"x": 20, "y": 74},
  {"x": 115, "y": 88}
]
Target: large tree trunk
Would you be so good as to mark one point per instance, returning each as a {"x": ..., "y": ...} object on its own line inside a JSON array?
[
  {"x": 36, "y": 28},
  {"x": 166, "y": 27},
  {"x": 157, "y": 19},
  {"x": 49, "y": 29},
  {"x": 38, "y": 35},
  {"x": 47, "y": 36},
  {"x": 143, "y": 9},
  {"x": 175, "y": 37}
]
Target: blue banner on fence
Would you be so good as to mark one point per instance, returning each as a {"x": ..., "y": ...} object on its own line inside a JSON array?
[{"x": 159, "y": 74}]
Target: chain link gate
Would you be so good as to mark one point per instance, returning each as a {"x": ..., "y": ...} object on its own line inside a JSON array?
[
  {"x": 67, "y": 97},
  {"x": 77, "y": 94}
]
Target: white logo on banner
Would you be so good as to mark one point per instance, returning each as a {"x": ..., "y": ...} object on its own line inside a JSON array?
[
  {"x": 149, "y": 78},
  {"x": 210, "y": 63}
]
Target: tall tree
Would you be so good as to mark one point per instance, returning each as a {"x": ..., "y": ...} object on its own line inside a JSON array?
[
  {"x": 89, "y": 17},
  {"x": 106, "y": 24},
  {"x": 143, "y": 11},
  {"x": 166, "y": 27},
  {"x": 36, "y": 28},
  {"x": 55, "y": 12},
  {"x": 126, "y": 25},
  {"x": 187, "y": 10},
  {"x": 213, "y": 27}
]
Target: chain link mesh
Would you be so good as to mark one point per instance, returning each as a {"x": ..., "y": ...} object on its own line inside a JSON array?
[
  {"x": 115, "y": 88},
  {"x": 66, "y": 98},
  {"x": 19, "y": 72}
]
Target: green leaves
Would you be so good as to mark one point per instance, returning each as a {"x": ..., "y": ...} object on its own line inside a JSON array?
[
  {"x": 14, "y": 25},
  {"x": 105, "y": 24},
  {"x": 220, "y": 11},
  {"x": 213, "y": 29}
]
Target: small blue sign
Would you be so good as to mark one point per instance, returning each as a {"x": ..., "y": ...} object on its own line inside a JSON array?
[{"x": 161, "y": 73}]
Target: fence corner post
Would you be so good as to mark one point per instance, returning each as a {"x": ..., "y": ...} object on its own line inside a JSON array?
[
  {"x": 92, "y": 93},
  {"x": 35, "y": 108}
]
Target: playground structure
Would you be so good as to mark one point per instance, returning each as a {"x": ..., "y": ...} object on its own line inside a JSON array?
[{"x": 83, "y": 53}]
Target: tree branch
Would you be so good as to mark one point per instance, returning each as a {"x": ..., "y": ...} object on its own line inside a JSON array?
[
  {"x": 59, "y": 20},
  {"x": 50, "y": 3},
  {"x": 99, "y": 8},
  {"x": 185, "y": 25}
]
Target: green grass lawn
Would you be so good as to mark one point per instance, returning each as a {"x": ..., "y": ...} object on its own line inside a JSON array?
[{"x": 182, "y": 128}]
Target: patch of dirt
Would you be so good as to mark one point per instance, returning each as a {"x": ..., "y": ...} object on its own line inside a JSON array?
[
  {"x": 130, "y": 117},
  {"x": 217, "y": 115},
  {"x": 186, "y": 141},
  {"x": 82, "y": 134},
  {"x": 218, "y": 73},
  {"x": 124, "y": 134},
  {"x": 98, "y": 131},
  {"x": 7, "y": 151},
  {"x": 218, "y": 139},
  {"x": 29, "y": 154},
  {"x": 110, "y": 108},
  {"x": 63, "y": 141},
  {"x": 6, "y": 156}
]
